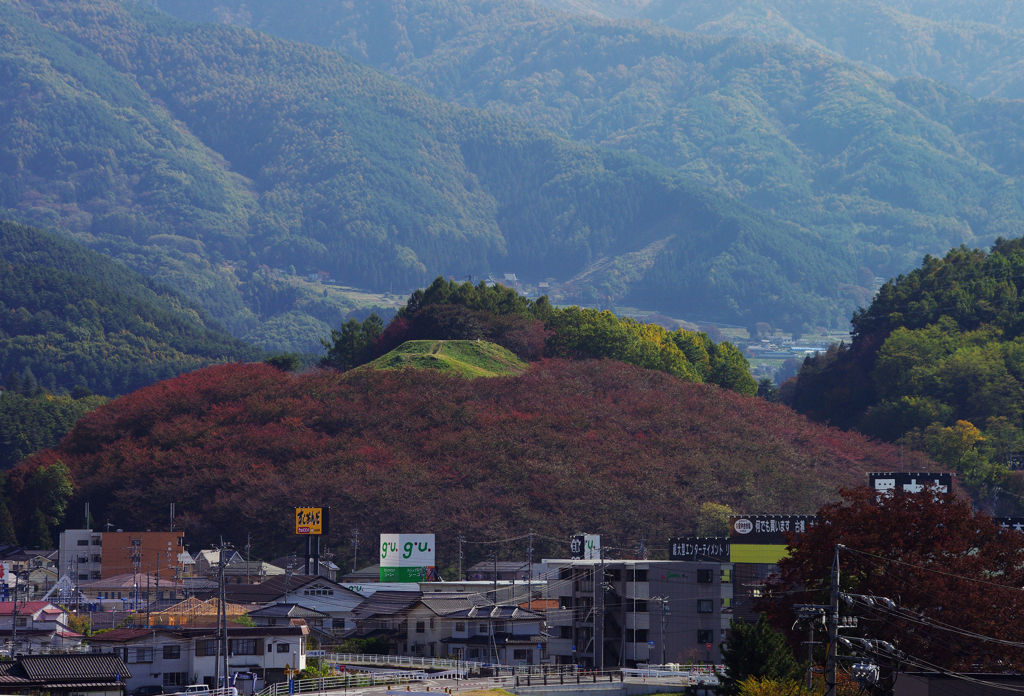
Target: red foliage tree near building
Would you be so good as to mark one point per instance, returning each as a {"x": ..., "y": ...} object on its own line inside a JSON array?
[{"x": 954, "y": 578}]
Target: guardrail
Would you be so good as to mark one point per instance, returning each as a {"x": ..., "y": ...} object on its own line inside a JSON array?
[
  {"x": 562, "y": 678},
  {"x": 343, "y": 683},
  {"x": 401, "y": 661}
]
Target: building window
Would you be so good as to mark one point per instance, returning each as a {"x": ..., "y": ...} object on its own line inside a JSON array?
[
  {"x": 518, "y": 654},
  {"x": 460, "y": 626},
  {"x": 565, "y": 632},
  {"x": 705, "y": 636},
  {"x": 704, "y": 606},
  {"x": 136, "y": 542},
  {"x": 482, "y": 629},
  {"x": 172, "y": 652},
  {"x": 96, "y": 541},
  {"x": 141, "y": 655},
  {"x": 243, "y": 646},
  {"x": 83, "y": 542},
  {"x": 431, "y": 623},
  {"x": 97, "y": 558},
  {"x": 284, "y": 647},
  {"x": 206, "y": 648},
  {"x": 21, "y": 621},
  {"x": 704, "y": 576},
  {"x": 640, "y": 576},
  {"x": 421, "y": 626},
  {"x": 499, "y": 626},
  {"x": 565, "y": 602},
  {"x": 640, "y": 606},
  {"x": 97, "y": 575},
  {"x": 175, "y": 678},
  {"x": 636, "y": 636}
]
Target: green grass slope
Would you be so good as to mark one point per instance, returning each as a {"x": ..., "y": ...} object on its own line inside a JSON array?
[{"x": 463, "y": 358}]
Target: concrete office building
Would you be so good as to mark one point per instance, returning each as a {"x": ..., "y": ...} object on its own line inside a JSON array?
[{"x": 640, "y": 612}]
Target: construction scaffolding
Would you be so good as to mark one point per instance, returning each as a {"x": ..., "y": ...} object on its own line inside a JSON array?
[{"x": 195, "y": 613}]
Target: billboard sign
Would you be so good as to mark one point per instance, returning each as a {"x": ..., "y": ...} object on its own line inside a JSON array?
[
  {"x": 585, "y": 547},
  {"x": 406, "y": 557},
  {"x": 767, "y": 529},
  {"x": 713, "y": 549},
  {"x": 311, "y": 521},
  {"x": 910, "y": 482}
]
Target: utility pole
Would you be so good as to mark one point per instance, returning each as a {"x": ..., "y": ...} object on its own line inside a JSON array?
[
  {"x": 529, "y": 574},
  {"x": 599, "y": 619},
  {"x": 355, "y": 548},
  {"x": 833, "y": 627},
  {"x": 460, "y": 556}
]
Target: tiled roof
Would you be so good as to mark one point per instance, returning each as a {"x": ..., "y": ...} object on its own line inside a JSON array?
[
  {"x": 496, "y": 639},
  {"x": 128, "y": 580},
  {"x": 291, "y": 611},
  {"x": 78, "y": 668},
  {"x": 120, "y": 635},
  {"x": 369, "y": 573},
  {"x": 504, "y": 612},
  {"x": 387, "y": 603},
  {"x": 275, "y": 586},
  {"x": 444, "y": 603},
  {"x": 24, "y": 608}
]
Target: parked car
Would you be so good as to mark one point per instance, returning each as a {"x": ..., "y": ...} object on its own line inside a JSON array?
[
  {"x": 196, "y": 690},
  {"x": 150, "y": 690}
]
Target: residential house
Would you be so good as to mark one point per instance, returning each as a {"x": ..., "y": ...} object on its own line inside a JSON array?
[
  {"x": 286, "y": 614},
  {"x": 208, "y": 558},
  {"x": 497, "y": 633},
  {"x": 65, "y": 675},
  {"x": 130, "y": 591},
  {"x": 326, "y": 568},
  {"x": 384, "y": 614},
  {"x": 174, "y": 658},
  {"x": 36, "y": 627},
  {"x": 245, "y": 572},
  {"x": 362, "y": 576},
  {"x": 309, "y": 591}
]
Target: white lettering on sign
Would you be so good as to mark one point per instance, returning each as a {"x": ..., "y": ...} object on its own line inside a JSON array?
[{"x": 744, "y": 526}]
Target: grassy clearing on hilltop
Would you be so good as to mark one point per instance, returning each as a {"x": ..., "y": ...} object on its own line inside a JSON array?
[{"x": 463, "y": 358}]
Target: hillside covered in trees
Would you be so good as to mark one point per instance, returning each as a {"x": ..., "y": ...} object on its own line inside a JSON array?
[
  {"x": 977, "y": 46},
  {"x": 72, "y": 318},
  {"x": 937, "y": 361},
  {"x": 532, "y": 330},
  {"x": 883, "y": 170},
  {"x": 226, "y": 163},
  {"x": 565, "y": 446}
]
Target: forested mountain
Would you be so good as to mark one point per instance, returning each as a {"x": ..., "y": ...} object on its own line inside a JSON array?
[
  {"x": 72, "y": 318},
  {"x": 937, "y": 361},
  {"x": 884, "y": 171},
  {"x": 595, "y": 445},
  {"x": 206, "y": 156},
  {"x": 976, "y": 46}
]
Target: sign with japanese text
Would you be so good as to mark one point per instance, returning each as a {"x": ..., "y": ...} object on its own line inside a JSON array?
[
  {"x": 406, "y": 557},
  {"x": 710, "y": 549},
  {"x": 767, "y": 529},
  {"x": 585, "y": 547},
  {"x": 309, "y": 520},
  {"x": 910, "y": 482}
]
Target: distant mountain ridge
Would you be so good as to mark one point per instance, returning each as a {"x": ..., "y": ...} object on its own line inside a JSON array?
[
  {"x": 216, "y": 160},
  {"x": 883, "y": 171}
]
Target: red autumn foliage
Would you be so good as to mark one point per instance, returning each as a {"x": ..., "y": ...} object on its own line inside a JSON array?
[
  {"x": 600, "y": 446},
  {"x": 949, "y": 570}
]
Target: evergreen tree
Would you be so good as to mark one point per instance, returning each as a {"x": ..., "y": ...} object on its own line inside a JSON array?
[
  {"x": 7, "y": 535},
  {"x": 756, "y": 651},
  {"x": 39, "y": 531}
]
